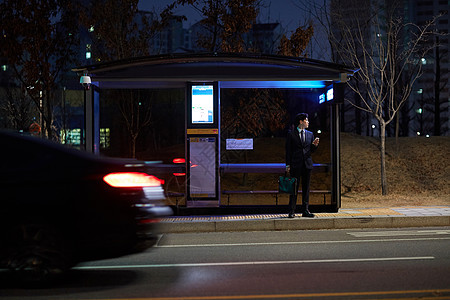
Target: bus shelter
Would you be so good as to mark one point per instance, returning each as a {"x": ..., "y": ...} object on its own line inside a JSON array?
[{"x": 203, "y": 76}]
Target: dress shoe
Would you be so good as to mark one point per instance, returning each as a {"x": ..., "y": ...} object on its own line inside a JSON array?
[
  {"x": 307, "y": 214},
  {"x": 291, "y": 216}
]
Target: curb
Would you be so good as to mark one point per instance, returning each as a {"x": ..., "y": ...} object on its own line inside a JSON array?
[{"x": 281, "y": 224}]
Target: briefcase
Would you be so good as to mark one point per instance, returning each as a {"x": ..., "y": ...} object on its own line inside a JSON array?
[{"x": 287, "y": 185}]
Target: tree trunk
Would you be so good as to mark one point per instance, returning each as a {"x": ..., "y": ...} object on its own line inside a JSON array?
[
  {"x": 437, "y": 93},
  {"x": 397, "y": 131},
  {"x": 383, "y": 157},
  {"x": 48, "y": 115},
  {"x": 133, "y": 146},
  {"x": 358, "y": 125}
]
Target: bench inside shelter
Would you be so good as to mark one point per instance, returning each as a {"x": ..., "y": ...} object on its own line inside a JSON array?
[{"x": 276, "y": 168}]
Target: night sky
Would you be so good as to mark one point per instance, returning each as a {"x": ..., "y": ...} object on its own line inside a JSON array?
[{"x": 284, "y": 11}]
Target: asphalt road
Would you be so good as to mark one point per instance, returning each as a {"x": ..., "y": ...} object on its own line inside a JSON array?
[{"x": 329, "y": 264}]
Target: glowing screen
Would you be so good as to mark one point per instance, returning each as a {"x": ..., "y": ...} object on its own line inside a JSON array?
[
  {"x": 321, "y": 98},
  {"x": 326, "y": 97},
  {"x": 202, "y": 104},
  {"x": 330, "y": 95}
]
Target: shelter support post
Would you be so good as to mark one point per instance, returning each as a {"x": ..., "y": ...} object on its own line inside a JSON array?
[
  {"x": 336, "y": 145},
  {"x": 92, "y": 120}
]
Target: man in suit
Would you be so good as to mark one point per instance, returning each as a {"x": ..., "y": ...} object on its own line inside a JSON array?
[{"x": 300, "y": 143}]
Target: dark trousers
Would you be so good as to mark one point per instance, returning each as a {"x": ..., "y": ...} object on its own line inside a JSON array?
[{"x": 305, "y": 175}]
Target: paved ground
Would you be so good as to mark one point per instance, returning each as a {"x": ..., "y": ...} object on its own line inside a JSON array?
[{"x": 395, "y": 217}]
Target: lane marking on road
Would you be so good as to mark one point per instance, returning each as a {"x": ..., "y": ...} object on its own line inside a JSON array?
[
  {"x": 247, "y": 263},
  {"x": 430, "y": 294},
  {"x": 300, "y": 243},
  {"x": 398, "y": 233}
]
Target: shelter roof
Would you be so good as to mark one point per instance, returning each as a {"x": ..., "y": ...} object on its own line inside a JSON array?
[{"x": 231, "y": 69}]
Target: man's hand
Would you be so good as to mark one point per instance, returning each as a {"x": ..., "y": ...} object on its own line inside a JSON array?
[{"x": 316, "y": 142}]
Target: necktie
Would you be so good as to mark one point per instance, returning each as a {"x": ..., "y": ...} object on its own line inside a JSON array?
[{"x": 302, "y": 134}]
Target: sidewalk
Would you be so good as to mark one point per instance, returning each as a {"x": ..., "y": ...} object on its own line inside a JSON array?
[{"x": 395, "y": 217}]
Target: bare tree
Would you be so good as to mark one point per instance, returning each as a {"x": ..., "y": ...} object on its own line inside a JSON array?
[
  {"x": 18, "y": 109},
  {"x": 320, "y": 20},
  {"x": 37, "y": 39},
  {"x": 137, "y": 114},
  {"x": 323, "y": 45},
  {"x": 120, "y": 31},
  {"x": 387, "y": 51}
]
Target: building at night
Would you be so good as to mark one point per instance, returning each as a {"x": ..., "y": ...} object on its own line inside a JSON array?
[{"x": 430, "y": 92}]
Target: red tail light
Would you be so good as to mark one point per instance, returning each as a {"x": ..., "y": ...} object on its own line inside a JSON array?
[
  {"x": 132, "y": 179},
  {"x": 179, "y": 160},
  {"x": 148, "y": 221}
]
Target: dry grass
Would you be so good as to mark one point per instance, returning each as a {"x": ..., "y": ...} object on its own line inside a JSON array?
[{"x": 418, "y": 171}]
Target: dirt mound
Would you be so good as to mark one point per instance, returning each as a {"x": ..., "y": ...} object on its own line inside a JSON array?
[{"x": 417, "y": 168}]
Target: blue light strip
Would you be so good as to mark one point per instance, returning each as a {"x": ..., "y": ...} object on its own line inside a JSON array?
[{"x": 303, "y": 84}]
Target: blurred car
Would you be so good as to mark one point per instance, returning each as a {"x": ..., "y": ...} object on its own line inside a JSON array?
[{"x": 61, "y": 206}]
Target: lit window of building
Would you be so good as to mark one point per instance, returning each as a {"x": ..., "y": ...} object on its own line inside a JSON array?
[{"x": 104, "y": 138}]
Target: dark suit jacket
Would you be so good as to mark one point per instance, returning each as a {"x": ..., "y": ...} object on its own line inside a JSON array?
[{"x": 297, "y": 152}]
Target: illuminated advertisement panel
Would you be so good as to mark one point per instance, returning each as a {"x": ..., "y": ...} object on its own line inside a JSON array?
[
  {"x": 202, "y": 104},
  {"x": 202, "y": 179},
  {"x": 321, "y": 98},
  {"x": 330, "y": 94}
]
